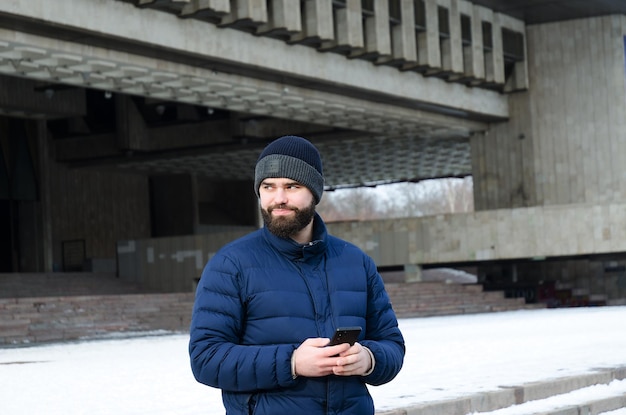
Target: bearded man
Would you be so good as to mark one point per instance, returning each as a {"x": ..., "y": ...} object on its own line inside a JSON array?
[{"x": 267, "y": 305}]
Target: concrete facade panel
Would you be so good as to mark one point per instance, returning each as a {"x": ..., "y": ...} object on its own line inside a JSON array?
[
  {"x": 242, "y": 49},
  {"x": 569, "y": 120}
]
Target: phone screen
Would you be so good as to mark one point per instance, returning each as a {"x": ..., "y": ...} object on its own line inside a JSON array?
[{"x": 345, "y": 335}]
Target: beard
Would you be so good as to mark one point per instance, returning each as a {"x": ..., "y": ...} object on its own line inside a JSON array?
[{"x": 285, "y": 227}]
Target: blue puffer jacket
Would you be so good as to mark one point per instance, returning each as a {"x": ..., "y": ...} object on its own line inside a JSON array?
[{"x": 261, "y": 296}]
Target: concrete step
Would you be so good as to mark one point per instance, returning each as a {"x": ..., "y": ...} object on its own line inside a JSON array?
[
  {"x": 68, "y": 306},
  {"x": 592, "y": 400},
  {"x": 599, "y": 392},
  {"x": 49, "y": 284},
  {"x": 426, "y": 299},
  {"x": 54, "y": 319}
]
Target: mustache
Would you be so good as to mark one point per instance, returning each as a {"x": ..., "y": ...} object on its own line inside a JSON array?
[{"x": 282, "y": 206}]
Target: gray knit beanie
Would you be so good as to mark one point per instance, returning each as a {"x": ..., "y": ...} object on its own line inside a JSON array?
[{"x": 294, "y": 158}]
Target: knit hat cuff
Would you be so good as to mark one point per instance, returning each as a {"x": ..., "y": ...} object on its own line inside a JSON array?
[{"x": 280, "y": 165}]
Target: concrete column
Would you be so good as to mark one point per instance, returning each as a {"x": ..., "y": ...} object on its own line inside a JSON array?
[
  {"x": 44, "y": 196},
  {"x": 494, "y": 59},
  {"x": 412, "y": 273},
  {"x": 348, "y": 22},
  {"x": 212, "y": 10},
  {"x": 404, "y": 47},
  {"x": 452, "y": 48},
  {"x": 284, "y": 17},
  {"x": 131, "y": 130},
  {"x": 253, "y": 10},
  {"x": 317, "y": 22},
  {"x": 377, "y": 33},
  {"x": 473, "y": 57},
  {"x": 428, "y": 53}
]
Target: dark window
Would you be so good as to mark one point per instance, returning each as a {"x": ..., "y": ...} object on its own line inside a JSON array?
[
  {"x": 487, "y": 38},
  {"x": 395, "y": 14},
  {"x": 420, "y": 15},
  {"x": 513, "y": 45},
  {"x": 444, "y": 22},
  {"x": 367, "y": 6},
  {"x": 466, "y": 30},
  {"x": 513, "y": 50}
]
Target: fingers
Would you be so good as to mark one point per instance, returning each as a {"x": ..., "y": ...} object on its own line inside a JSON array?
[
  {"x": 355, "y": 361},
  {"x": 313, "y": 358},
  {"x": 338, "y": 350},
  {"x": 316, "y": 342}
]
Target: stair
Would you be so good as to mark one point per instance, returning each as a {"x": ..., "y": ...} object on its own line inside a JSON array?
[
  {"x": 597, "y": 393},
  {"x": 48, "y": 284},
  {"x": 51, "y": 307},
  {"x": 50, "y": 319},
  {"x": 426, "y": 299}
]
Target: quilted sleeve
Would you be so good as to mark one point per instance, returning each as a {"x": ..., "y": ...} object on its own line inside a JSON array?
[
  {"x": 217, "y": 357},
  {"x": 383, "y": 336}
]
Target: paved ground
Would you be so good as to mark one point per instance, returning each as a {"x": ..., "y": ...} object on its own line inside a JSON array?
[{"x": 454, "y": 365}]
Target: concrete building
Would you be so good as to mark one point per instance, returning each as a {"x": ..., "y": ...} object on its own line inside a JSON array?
[{"x": 129, "y": 131}]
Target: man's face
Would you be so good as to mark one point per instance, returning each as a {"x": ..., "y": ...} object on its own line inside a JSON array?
[{"x": 287, "y": 206}]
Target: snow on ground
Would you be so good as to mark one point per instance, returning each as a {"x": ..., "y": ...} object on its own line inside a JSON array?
[
  {"x": 581, "y": 396},
  {"x": 446, "y": 357}
]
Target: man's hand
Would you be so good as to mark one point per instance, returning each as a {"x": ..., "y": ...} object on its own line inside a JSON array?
[
  {"x": 355, "y": 361},
  {"x": 313, "y": 359}
]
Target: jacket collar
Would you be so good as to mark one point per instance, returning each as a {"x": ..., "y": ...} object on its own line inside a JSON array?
[{"x": 296, "y": 251}]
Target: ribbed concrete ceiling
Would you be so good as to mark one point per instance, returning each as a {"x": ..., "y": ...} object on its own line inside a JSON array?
[
  {"x": 386, "y": 143},
  {"x": 365, "y": 161}
]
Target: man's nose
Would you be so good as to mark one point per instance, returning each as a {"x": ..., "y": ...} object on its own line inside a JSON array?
[{"x": 280, "y": 196}]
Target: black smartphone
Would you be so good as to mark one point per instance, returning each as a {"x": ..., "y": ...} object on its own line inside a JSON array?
[{"x": 345, "y": 335}]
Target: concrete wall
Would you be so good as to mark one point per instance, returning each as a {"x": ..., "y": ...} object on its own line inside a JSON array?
[
  {"x": 564, "y": 142},
  {"x": 563, "y": 148},
  {"x": 496, "y": 235},
  {"x": 96, "y": 207},
  {"x": 523, "y": 235},
  {"x": 171, "y": 264},
  {"x": 92, "y": 209}
]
